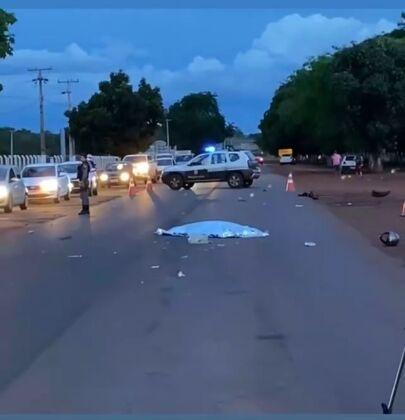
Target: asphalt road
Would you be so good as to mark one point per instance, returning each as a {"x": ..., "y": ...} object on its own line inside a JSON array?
[{"x": 255, "y": 326}]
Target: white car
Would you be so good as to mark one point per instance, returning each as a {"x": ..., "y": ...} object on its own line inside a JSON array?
[
  {"x": 12, "y": 189},
  {"x": 237, "y": 168},
  {"x": 287, "y": 160},
  {"x": 163, "y": 163},
  {"x": 144, "y": 167},
  {"x": 70, "y": 168},
  {"x": 46, "y": 181},
  {"x": 348, "y": 164}
]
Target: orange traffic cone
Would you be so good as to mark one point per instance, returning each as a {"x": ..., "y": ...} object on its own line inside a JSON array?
[
  {"x": 403, "y": 210},
  {"x": 290, "y": 187},
  {"x": 132, "y": 189}
]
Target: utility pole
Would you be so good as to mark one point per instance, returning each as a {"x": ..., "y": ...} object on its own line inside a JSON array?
[
  {"x": 12, "y": 142},
  {"x": 167, "y": 133},
  {"x": 40, "y": 80},
  {"x": 68, "y": 93}
]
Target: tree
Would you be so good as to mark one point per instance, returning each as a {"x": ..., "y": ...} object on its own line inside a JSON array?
[
  {"x": 353, "y": 100},
  {"x": 196, "y": 120},
  {"x": 117, "y": 119},
  {"x": 6, "y": 38}
]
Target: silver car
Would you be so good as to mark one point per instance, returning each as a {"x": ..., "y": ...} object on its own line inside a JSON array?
[{"x": 12, "y": 189}]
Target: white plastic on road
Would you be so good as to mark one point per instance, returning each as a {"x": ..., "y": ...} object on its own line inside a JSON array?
[{"x": 214, "y": 229}]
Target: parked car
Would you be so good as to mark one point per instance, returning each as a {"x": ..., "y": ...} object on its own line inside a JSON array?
[
  {"x": 164, "y": 162},
  {"x": 46, "y": 181},
  {"x": 70, "y": 168},
  {"x": 348, "y": 164},
  {"x": 117, "y": 173},
  {"x": 237, "y": 168},
  {"x": 144, "y": 167},
  {"x": 12, "y": 189},
  {"x": 287, "y": 160}
]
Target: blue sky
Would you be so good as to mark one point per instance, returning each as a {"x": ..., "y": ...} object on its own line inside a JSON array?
[{"x": 242, "y": 55}]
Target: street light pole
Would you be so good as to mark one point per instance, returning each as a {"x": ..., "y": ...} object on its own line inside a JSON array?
[
  {"x": 167, "y": 133},
  {"x": 12, "y": 142}
]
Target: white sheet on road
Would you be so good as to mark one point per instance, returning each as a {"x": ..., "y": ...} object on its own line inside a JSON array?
[{"x": 214, "y": 229}]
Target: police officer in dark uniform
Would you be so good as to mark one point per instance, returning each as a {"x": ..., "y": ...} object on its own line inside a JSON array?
[{"x": 83, "y": 173}]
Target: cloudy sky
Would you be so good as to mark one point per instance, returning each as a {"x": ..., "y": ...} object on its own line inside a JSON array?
[{"x": 242, "y": 55}]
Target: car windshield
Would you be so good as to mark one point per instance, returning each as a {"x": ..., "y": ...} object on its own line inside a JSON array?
[
  {"x": 3, "y": 173},
  {"x": 351, "y": 157},
  {"x": 38, "y": 171},
  {"x": 165, "y": 162},
  {"x": 250, "y": 155},
  {"x": 135, "y": 158},
  {"x": 69, "y": 168},
  {"x": 118, "y": 166},
  {"x": 184, "y": 158}
]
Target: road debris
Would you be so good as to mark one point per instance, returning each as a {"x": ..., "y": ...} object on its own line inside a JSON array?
[
  {"x": 251, "y": 195},
  {"x": 311, "y": 194},
  {"x": 184, "y": 257},
  {"x": 310, "y": 244},
  {"x": 154, "y": 267},
  {"x": 213, "y": 229},
  {"x": 393, "y": 171},
  {"x": 241, "y": 199},
  {"x": 349, "y": 204},
  {"x": 299, "y": 205},
  {"x": 389, "y": 238},
  {"x": 115, "y": 252},
  {"x": 380, "y": 194},
  {"x": 269, "y": 186},
  {"x": 65, "y": 238},
  {"x": 75, "y": 256},
  {"x": 31, "y": 232},
  {"x": 221, "y": 245},
  {"x": 198, "y": 239},
  {"x": 180, "y": 274}
]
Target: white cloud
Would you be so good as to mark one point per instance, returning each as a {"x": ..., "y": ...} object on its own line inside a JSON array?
[{"x": 202, "y": 65}]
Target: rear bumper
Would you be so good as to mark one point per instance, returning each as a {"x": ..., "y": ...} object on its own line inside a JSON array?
[{"x": 41, "y": 195}]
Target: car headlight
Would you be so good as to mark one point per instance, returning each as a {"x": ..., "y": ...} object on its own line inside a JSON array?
[
  {"x": 3, "y": 191},
  {"x": 49, "y": 185},
  {"x": 104, "y": 177},
  {"x": 141, "y": 168},
  {"x": 120, "y": 166},
  {"x": 124, "y": 176}
]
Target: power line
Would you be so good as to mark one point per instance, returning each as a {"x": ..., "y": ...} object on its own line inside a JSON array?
[{"x": 40, "y": 80}]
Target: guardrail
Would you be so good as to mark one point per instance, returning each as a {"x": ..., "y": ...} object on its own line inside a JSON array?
[{"x": 21, "y": 160}]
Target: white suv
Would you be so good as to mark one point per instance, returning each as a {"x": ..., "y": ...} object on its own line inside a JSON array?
[
  {"x": 237, "y": 168},
  {"x": 144, "y": 167}
]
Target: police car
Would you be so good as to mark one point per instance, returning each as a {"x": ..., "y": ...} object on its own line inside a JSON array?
[{"x": 237, "y": 168}]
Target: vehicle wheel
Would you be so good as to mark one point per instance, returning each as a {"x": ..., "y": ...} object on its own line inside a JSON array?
[
  {"x": 235, "y": 180},
  {"x": 56, "y": 200},
  {"x": 95, "y": 191},
  {"x": 188, "y": 186},
  {"x": 175, "y": 181},
  {"x": 67, "y": 196},
  {"x": 9, "y": 206},
  {"x": 248, "y": 183},
  {"x": 24, "y": 206}
]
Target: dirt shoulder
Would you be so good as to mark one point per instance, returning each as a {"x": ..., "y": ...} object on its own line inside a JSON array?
[{"x": 350, "y": 199}]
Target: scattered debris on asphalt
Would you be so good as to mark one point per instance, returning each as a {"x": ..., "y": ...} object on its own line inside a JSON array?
[
  {"x": 379, "y": 194},
  {"x": 115, "y": 252},
  {"x": 389, "y": 238},
  {"x": 65, "y": 238},
  {"x": 311, "y": 194},
  {"x": 251, "y": 195},
  {"x": 180, "y": 274},
  {"x": 269, "y": 186},
  {"x": 142, "y": 282},
  {"x": 241, "y": 199},
  {"x": 154, "y": 267},
  {"x": 213, "y": 229},
  {"x": 221, "y": 245},
  {"x": 75, "y": 256},
  {"x": 349, "y": 204},
  {"x": 299, "y": 205},
  {"x": 310, "y": 244},
  {"x": 343, "y": 177},
  {"x": 264, "y": 190},
  {"x": 31, "y": 232},
  {"x": 184, "y": 257}
]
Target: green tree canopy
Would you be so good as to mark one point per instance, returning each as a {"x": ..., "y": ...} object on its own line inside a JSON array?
[
  {"x": 196, "y": 120},
  {"x": 6, "y": 38},
  {"x": 352, "y": 100},
  {"x": 117, "y": 119}
]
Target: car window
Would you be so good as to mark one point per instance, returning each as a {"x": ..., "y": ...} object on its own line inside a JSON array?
[
  {"x": 200, "y": 160},
  {"x": 70, "y": 168},
  {"x": 218, "y": 158},
  {"x": 165, "y": 162},
  {"x": 38, "y": 171},
  {"x": 12, "y": 174},
  {"x": 250, "y": 155},
  {"x": 233, "y": 157}
]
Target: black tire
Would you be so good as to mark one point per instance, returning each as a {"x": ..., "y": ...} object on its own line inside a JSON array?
[
  {"x": 24, "y": 206},
  {"x": 235, "y": 180},
  {"x": 8, "y": 208},
  {"x": 175, "y": 181},
  {"x": 67, "y": 196},
  {"x": 56, "y": 200},
  {"x": 248, "y": 183},
  {"x": 188, "y": 185},
  {"x": 95, "y": 191}
]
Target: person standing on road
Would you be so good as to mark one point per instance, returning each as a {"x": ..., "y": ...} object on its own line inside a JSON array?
[
  {"x": 83, "y": 172},
  {"x": 336, "y": 160}
]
